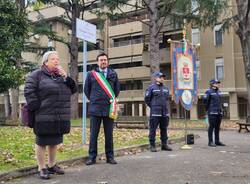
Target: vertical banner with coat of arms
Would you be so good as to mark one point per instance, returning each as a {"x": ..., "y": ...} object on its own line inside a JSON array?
[{"x": 184, "y": 73}]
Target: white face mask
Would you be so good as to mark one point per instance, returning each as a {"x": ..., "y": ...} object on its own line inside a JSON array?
[{"x": 216, "y": 86}]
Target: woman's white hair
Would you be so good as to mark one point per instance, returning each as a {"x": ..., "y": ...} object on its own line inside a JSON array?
[{"x": 46, "y": 55}]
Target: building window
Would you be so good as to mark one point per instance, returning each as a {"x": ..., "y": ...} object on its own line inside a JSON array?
[
  {"x": 125, "y": 109},
  {"x": 218, "y": 35},
  {"x": 126, "y": 65},
  {"x": 166, "y": 69},
  {"x": 119, "y": 42},
  {"x": 195, "y": 36},
  {"x": 219, "y": 68},
  {"x": 113, "y": 66},
  {"x": 131, "y": 85},
  {"x": 132, "y": 18},
  {"x": 90, "y": 46},
  {"x": 137, "y": 39},
  {"x": 198, "y": 69}
]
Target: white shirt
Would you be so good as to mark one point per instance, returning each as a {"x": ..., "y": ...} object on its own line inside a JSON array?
[{"x": 105, "y": 71}]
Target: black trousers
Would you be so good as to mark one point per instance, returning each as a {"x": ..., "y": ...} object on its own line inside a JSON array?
[
  {"x": 108, "y": 124},
  {"x": 214, "y": 126},
  {"x": 153, "y": 124}
]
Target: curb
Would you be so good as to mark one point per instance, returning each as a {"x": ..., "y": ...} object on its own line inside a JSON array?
[
  {"x": 80, "y": 160},
  {"x": 188, "y": 129}
]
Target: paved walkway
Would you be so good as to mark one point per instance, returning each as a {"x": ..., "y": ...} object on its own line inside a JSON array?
[{"x": 201, "y": 165}]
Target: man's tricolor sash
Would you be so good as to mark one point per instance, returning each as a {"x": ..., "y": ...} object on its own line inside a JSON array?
[{"x": 102, "y": 81}]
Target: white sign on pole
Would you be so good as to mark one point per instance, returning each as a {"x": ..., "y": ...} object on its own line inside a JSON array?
[{"x": 85, "y": 31}]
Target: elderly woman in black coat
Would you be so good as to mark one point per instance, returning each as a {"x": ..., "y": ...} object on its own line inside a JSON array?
[{"x": 48, "y": 91}]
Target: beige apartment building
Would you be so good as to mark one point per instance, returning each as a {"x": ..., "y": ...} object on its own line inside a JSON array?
[{"x": 126, "y": 42}]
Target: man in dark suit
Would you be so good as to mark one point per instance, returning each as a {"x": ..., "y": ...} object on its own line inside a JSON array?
[{"x": 99, "y": 107}]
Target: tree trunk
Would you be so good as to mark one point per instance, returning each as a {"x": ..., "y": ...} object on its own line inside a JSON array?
[
  {"x": 21, "y": 3},
  {"x": 7, "y": 104},
  {"x": 105, "y": 32},
  {"x": 15, "y": 104},
  {"x": 243, "y": 32},
  {"x": 74, "y": 61},
  {"x": 154, "y": 52},
  {"x": 15, "y": 92},
  {"x": 15, "y": 96}
]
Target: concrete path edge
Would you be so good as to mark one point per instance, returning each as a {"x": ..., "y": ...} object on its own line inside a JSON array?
[{"x": 26, "y": 171}]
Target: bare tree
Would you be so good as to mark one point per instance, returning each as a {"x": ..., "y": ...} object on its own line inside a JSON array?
[
  {"x": 243, "y": 31},
  {"x": 168, "y": 13}
]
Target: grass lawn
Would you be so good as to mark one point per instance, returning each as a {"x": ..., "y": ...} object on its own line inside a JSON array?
[
  {"x": 17, "y": 144},
  {"x": 78, "y": 122}
]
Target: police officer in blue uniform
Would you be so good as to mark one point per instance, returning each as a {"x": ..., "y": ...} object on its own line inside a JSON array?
[
  {"x": 156, "y": 97},
  {"x": 99, "y": 109},
  {"x": 212, "y": 100}
]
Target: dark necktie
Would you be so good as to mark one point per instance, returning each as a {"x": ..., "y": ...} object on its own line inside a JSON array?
[{"x": 103, "y": 73}]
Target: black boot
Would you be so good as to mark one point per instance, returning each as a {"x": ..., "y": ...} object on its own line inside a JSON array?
[
  {"x": 111, "y": 161},
  {"x": 90, "y": 161},
  {"x": 165, "y": 147},
  {"x": 219, "y": 143},
  {"x": 211, "y": 144},
  {"x": 152, "y": 148}
]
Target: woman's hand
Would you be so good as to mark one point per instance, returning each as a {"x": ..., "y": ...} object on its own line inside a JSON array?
[{"x": 62, "y": 72}]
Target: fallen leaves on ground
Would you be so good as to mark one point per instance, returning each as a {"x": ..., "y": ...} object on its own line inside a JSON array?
[
  {"x": 17, "y": 144},
  {"x": 225, "y": 124}
]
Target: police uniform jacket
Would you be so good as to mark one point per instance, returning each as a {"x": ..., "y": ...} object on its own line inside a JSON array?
[
  {"x": 99, "y": 100},
  {"x": 212, "y": 100},
  {"x": 156, "y": 97}
]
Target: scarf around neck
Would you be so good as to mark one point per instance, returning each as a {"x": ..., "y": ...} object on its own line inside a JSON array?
[{"x": 53, "y": 72}]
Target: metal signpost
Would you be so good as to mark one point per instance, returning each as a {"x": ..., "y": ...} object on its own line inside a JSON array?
[{"x": 86, "y": 32}]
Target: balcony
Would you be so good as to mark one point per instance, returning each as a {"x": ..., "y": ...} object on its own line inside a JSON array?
[
  {"x": 127, "y": 28},
  {"x": 133, "y": 73},
  {"x": 131, "y": 95},
  {"x": 170, "y": 28},
  {"x": 165, "y": 56},
  {"x": 91, "y": 56},
  {"x": 125, "y": 51},
  {"x": 140, "y": 72},
  {"x": 30, "y": 56},
  {"x": 54, "y": 11},
  {"x": 47, "y": 13},
  {"x": 89, "y": 16}
]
